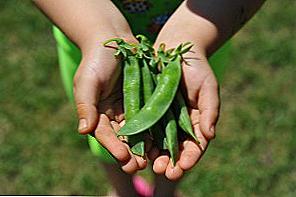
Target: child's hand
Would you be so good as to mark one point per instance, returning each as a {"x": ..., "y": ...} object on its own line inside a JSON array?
[
  {"x": 207, "y": 24},
  {"x": 97, "y": 83},
  {"x": 201, "y": 90},
  {"x": 98, "y": 96}
]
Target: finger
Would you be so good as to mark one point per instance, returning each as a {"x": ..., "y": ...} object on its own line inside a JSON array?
[
  {"x": 189, "y": 155},
  {"x": 172, "y": 172},
  {"x": 115, "y": 126},
  {"x": 121, "y": 124},
  {"x": 86, "y": 93},
  {"x": 141, "y": 161},
  {"x": 130, "y": 167},
  {"x": 160, "y": 164},
  {"x": 194, "y": 116},
  {"x": 208, "y": 104},
  {"x": 192, "y": 151},
  {"x": 106, "y": 136}
]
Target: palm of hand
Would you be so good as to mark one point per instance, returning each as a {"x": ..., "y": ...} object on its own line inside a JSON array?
[
  {"x": 201, "y": 89},
  {"x": 98, "y": 95}
]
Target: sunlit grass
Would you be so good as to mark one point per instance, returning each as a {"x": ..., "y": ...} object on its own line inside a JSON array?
[{"x": 252, "y": 155}]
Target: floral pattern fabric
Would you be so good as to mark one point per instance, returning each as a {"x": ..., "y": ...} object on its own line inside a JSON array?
[{"x": 147, "y": 16}]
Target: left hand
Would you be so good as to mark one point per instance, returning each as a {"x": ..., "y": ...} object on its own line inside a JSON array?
[
  {"x": 99, "y": 100},
  {"x": 200, "y": 89}
]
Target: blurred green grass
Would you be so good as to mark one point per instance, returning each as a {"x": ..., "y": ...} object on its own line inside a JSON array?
[{"x": 254, "y": 151}]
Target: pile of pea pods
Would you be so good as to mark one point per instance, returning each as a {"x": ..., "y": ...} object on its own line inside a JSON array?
[{"x": 152, "y": 100}]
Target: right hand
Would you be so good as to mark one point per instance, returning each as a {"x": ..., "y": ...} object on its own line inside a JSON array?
[
  {"x": 200, "y": 89},
  {"x": 98, "y": 97}
]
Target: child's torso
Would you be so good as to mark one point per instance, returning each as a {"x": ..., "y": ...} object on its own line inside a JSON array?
[{"x": 147, "y": 16}]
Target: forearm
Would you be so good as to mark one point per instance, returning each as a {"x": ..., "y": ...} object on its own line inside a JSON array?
[
  {"x": 85, "y": 21},
  {"x": 210, "y": 22}
]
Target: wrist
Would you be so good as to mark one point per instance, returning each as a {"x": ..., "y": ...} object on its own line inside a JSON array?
[
  {"x": 198, "y": 50},
  {"x": 96, "y": 39},
  {"x": 186, "y": 25}
]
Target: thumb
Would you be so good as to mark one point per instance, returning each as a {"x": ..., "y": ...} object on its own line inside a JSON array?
[
  {"x": 209, "y": 104},
  {"x": 86, "y": 93}
]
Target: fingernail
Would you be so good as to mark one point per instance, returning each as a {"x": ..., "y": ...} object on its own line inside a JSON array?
[
  {"x": 212, "y": 129},
  {"x": 82, "y": 124},
  {"x": 201, "y": 147}
]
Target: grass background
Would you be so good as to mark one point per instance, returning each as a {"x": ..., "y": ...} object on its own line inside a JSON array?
[{"x": 253, "y": 154}]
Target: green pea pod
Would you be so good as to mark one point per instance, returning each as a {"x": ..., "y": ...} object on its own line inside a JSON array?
[
  {"x": 131, "y": 87},
  {"x": 182, "y": 114},
  {"x": 158, "y": 103},
  {"x": 137, "y": 144},
  {"x": 148, "y": 84},
  {"x": 149, "y": 81},
  {"x": 137, "y": 141},
  {"x": 131, "y": 98},
  {"x": 171, "y": 135}
]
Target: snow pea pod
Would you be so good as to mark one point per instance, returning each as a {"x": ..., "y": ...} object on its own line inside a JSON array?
[
  {"x": 171, "y": 135},
  {"x": 137, "y": 144},
  {"x": 137, "y": 141},
  {"x": 149, "y": 81},
  {"x": 158, "y": 103},
  {"x": 131, "y": 98},
  {"x": 148, "y": 84},
  {"x": 131, "y": 87},
  {"x": 181, "y": 112}
]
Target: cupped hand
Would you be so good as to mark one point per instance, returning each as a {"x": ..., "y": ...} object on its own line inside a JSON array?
[
  {"x": 200, "y": 88},
  {"x": 98, "y": 96}
]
